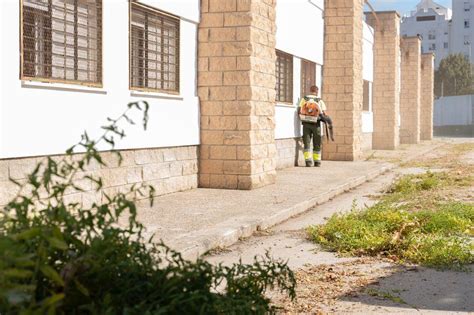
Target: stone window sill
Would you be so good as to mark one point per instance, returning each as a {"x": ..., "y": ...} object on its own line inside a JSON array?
[
  {"x": 156, "y": 95},
  {"x": 61, "y": 87},
  {"x": 285, "y": 105}
]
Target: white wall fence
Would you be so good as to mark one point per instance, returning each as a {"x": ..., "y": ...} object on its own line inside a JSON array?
[{"x": 454, "y": 111}]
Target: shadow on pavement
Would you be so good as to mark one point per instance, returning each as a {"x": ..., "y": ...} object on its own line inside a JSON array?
[{"x": 420, "y": 288}]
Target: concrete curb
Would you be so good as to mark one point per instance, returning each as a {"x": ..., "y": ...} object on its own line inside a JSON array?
[{"x": 223, "y": 235}]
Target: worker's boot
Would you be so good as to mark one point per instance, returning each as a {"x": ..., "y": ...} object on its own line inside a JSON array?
[
  {"x": 317, "y": 163},
  {"x": 308, "y": 164}
]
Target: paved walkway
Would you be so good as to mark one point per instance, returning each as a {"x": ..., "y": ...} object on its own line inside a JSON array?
[{"x": 196, "y": 221}]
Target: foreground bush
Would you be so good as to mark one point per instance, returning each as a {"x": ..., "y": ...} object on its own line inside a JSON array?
[
  {"x": 441, "y": 237},
  {"x": 58, "y": 257}
]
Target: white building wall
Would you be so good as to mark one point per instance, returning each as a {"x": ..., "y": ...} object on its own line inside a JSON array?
[
  {"x": 462, "y": 37},
  {"x": 368, "y": 75},
  {"x": 309, "y": 17},
  {"x": 32, "y": 113},
  {"x": 294, "y": 18},
  {"x": 439, "y": 28},
  {"x": 368, "y": 53},
  {"x": 300, "y": 29}
]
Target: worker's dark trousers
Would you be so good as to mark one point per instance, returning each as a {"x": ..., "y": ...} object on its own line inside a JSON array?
[{"x": 312, "y": 131}]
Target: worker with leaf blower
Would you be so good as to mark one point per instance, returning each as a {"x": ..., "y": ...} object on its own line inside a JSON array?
[{"x": 312, "y": 111}]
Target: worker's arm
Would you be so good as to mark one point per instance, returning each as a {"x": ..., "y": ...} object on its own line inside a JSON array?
[{"x": 322, "y": 105}]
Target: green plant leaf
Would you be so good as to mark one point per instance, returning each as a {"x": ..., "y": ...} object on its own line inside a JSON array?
[
  {"x": 27, "y": 234},
  {"x": 17, "y": 273},
  {"x": 81, "y": 288},
  {"x": 52, "y": 274},
  {"x": 53, "y": 299},
  {"x": 57, "y": 243}
]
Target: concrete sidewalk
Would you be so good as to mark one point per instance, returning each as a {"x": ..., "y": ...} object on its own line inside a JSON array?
[{"x": 196, "y": 221}]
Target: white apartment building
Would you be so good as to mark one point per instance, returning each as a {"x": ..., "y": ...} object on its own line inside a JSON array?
[
  {"x": 462, "y": 28},
  {"x": 432, "y": 22}
]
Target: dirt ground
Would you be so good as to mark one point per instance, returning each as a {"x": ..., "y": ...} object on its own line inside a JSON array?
[{"x": 330, "y": 284}]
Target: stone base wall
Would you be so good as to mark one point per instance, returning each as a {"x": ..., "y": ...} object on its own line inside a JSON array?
[
  {"x": 366, "y": 143},
  {"x": 169, "y": 170},
  {"x": 289, "y": 153}
]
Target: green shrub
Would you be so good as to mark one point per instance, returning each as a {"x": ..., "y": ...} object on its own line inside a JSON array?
[
  {"x": 415, "y": 183},
  {"x": 440, "y": 238},
  {"x": 435, "y": 250},
  {"x": 59, "y": 257}
]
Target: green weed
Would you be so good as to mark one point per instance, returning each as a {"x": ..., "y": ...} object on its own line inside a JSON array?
[
  {"x": 436, "y": 234},
  {"x": 387, "y": 296}
]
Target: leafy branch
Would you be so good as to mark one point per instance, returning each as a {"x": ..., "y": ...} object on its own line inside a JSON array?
[{"x": 60, "y": 257}]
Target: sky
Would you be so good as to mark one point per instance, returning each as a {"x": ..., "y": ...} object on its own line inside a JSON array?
[{"x": 402, "y": 6}]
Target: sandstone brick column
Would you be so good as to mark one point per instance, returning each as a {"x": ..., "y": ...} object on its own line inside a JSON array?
[
  {"x": 236, "y": 84},
  {"x": 386, "y": 86},
  {"x": 343, "y": 83},
  {"x": 427, "y": 96},
  {"x": 410, "y": 90}
]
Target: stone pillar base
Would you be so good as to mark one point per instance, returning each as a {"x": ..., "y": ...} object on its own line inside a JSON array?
[
  {"x": 427, "y": 96},
  {"x": 236, "y": 84},
  {"x": 343, "y": 80},
  {"x": 410, "y": 90},
  {"x": 386, "y": 96}
]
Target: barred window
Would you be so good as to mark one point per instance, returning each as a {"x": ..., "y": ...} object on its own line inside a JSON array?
[
  {"x": 154, "y": 54},
  {"x": 62, "y": 41},
  {"x": 284, "y": 77},
  {"x": 308, "y": 76}
]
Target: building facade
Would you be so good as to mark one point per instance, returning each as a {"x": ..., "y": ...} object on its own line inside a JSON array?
[
  {"x": 223, "y": 79},
  {"x": 462, "y": 28},
  {"x": 431, "y": 21}
]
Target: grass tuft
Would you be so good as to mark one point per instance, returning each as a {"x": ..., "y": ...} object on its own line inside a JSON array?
[{"x": 434, "y": 233}]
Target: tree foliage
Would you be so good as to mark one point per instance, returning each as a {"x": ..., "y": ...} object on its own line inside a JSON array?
[
  {"x": 59, "y": 257},
  {"x": 454, "y": 76}
]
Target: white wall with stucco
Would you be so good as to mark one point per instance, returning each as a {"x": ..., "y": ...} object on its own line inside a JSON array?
[
  {"x": 300, "y": 32},
  {"x": 368, "y": 75},
  {"x": 294, "y": 19},
  {"x": 41, "y": 118}
]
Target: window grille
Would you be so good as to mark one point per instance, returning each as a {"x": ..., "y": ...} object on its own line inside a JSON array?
[
  {"x": 154, "y": 50},
  {"x": 308, "y": 76},
  {"x": 62, "y": 41},
  {"x": 284, "y": 77},
  {"x": 425, "y": 18}
]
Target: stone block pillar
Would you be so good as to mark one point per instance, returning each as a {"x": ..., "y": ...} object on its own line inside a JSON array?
[
  {"x": 427, "y": 96},
  {"x": 236, "y": 86},
  {"x": 410, "y": 90},
  {"x": 343, "y": 80},
  {"x": 386, "y": 86}
]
